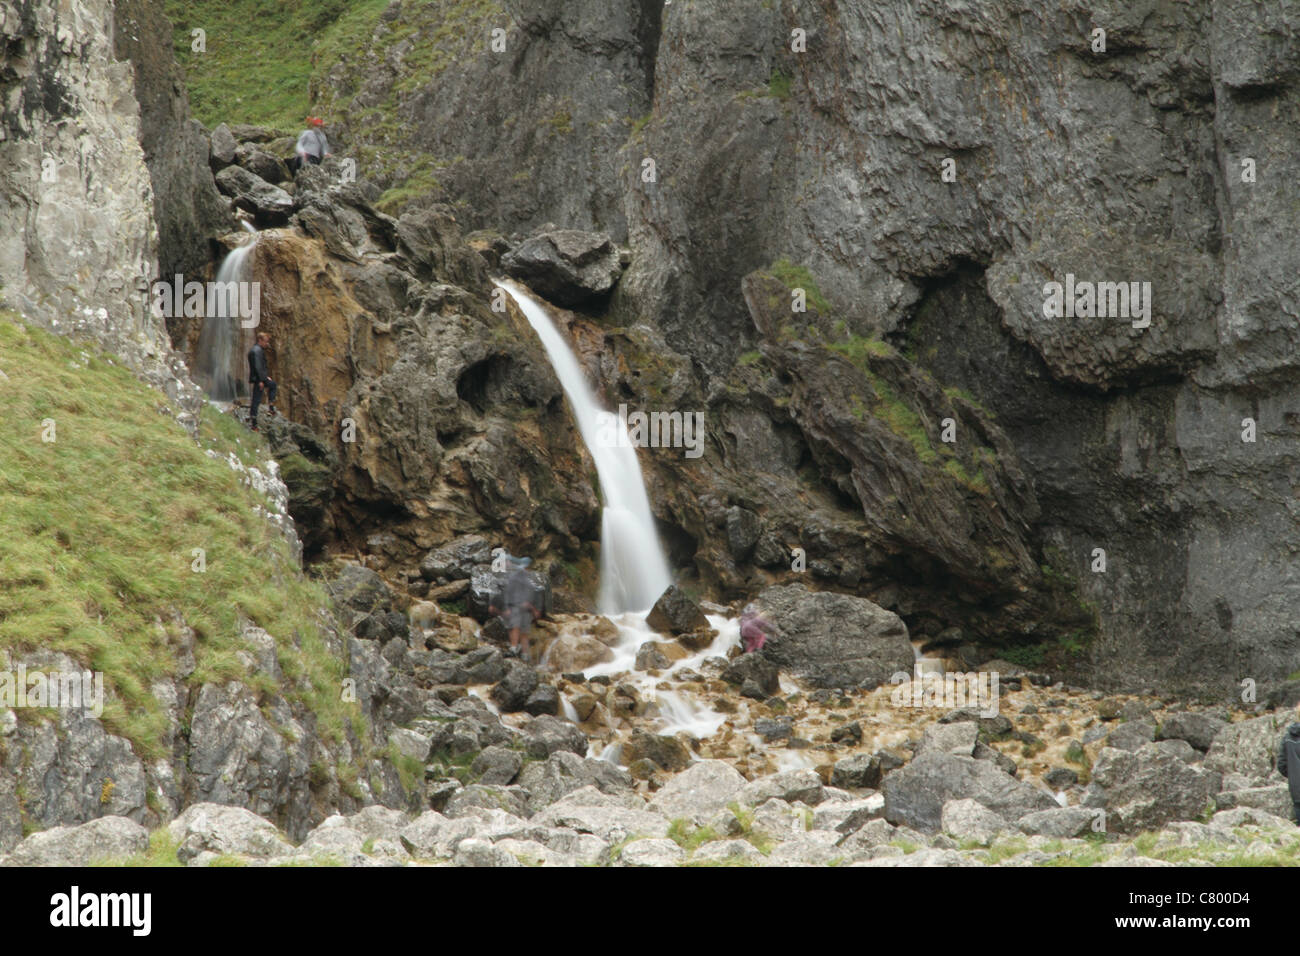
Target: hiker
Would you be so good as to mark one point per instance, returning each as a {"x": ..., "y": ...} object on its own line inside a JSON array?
[
  {"x": 753, "y": 629},
  {"x": 519, "y": 613},
  {"x": 312, "y": 145},
  {"x": 259, "y": 379},
  {"x": 1288, "y": 763}
]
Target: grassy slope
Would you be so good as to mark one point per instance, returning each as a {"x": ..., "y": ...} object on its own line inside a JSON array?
[
  {"x": 258, "y": 59},
  {"x": 263, "y": 55},
  {"x": 98, "y": 531}
]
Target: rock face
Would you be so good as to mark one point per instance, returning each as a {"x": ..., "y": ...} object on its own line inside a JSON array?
[
  {"x": 638, "y": 107},
  {"x": 186, "y": 203},
  {"x": 835, "y": 640},
  {"x": 77, "y": 240}
]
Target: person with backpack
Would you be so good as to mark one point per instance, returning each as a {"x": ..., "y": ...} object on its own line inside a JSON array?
[
  {"x": 519, "y": 611},
  {"x": 1288, "y": 763}
]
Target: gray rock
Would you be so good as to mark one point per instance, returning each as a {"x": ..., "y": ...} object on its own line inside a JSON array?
[
  {"x": 966, "y": 820},
  {"x": 223, "y": 147},
  {"x": 480, "y": 796},
  {"x": 744, "y": 528},
  {"x": 226, "y": 830},
  {"x": 107, "y": 838},
  {"x": 1196, "y": 728},
  {"x": 261, "y": 163},
  {"x": 457, "y": 560},
  {"x": 516, "y": 687},
  {"x": 676, "y": 613},
  {"x": 1248, "y": 747},
  {"x": 1178, "y": 748},
  {"x": 755, "y": 669},
  {"x": 546, "y": 735},
  {"x": 728, "y": 851},
  {"x": 802, "y": 785},
  {"x": 609, "y": 823},
  {"x": 564, "y": 772},
  {"x": 834, "y": 640},
  {"x": 1060, "y": 822},
  {"x": 544, "y": 700},
  {"x": 915, "y": 795},
  {"x": 856, "y": 772},
  {"x": 699, "y": 792},
  {"x": 845, "y": 816},
  {"x": 569, "y": 267},
  {"x": 1132, "y": 735},
  {"x": 949, "y": 738},
  {"x": 271, "y": 204},
  {"x": 1274, "y": 799},
  {"x": 497, "y": 765},
  {"x": 1148, "y": 788},
  {"x": 652, "y": 853},
  {"x": 475, "y": 852}
]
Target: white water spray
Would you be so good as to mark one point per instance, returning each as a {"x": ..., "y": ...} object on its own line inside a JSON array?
[
  {"x": 218, "y": 360},
  {"x": 633, "y": 570}
]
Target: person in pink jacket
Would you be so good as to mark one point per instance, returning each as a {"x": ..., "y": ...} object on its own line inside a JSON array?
[{"x": 754, "y": 630}]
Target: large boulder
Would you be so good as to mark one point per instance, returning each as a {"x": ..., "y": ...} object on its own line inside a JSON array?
[
  {"x": 563, "y": 772},
  {"x": 102, "y": 839},
  {"x": 835, "y": 640},
  {"x": 1147, "y": 788},
  {"x": 1248, "y": 747},
  {"x": 915, "y": 795},
  {"x": 569, "y": 267},
  {"x": 221, "y": 829},
  {"x": 250, "y": 192},
  {"x": 511, "y": 693},
  {"x": 966, "y": 819},
  {"x": 699, "y": 792},
  {"x": 1197, "y": 729},
  {"x": 669, "y": 753},
  {"x": 676, "y": 613},
  {"x": 546, "y": 735},
  {"x": 456, "y": 560}
]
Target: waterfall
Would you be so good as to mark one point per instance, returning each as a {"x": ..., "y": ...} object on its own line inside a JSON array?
[
  {"x": 218, "y": 367},
  {"x": 633, "y": 569}
]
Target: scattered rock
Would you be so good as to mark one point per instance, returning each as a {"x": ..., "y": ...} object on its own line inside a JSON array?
[{"x": 676, "y": 613}]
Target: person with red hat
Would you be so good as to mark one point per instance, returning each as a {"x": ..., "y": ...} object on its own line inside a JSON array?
[{"x": 312, "y": 145}]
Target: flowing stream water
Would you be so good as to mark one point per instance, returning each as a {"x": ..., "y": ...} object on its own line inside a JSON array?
[{"x": 217, "y": 364}]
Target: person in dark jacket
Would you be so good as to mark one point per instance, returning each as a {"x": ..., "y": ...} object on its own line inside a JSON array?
[
  {"x": 259, "y": 379},
  {"x": 1288, "y": 763},
  {"x": 519, "y": 612}
]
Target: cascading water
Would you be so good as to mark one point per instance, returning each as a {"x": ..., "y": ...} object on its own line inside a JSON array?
[
  {"x": 633, "y": 569},
  {"x": 217, "y": 366}
]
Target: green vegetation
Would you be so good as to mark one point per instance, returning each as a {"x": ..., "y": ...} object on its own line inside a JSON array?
[
  {"x": 161, "y": 852},
  {"x": 97, "y": 546},
  {"x": 798, "y": 277},
  {"x": 258, "y": 57},
  {"x": 779, "y": 85},
  {"x": 691, "y": 838}
]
